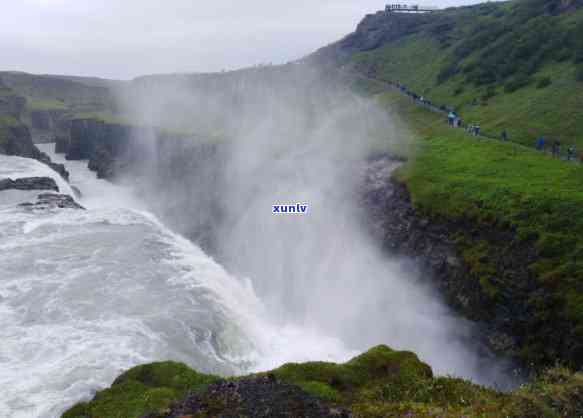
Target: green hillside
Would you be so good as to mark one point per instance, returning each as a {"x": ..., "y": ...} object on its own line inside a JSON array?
[
  {"x": 380, "y": 383},
  {"x": 512, "y": 65}
]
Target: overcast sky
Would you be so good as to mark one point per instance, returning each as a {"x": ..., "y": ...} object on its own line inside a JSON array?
[{"x": 127, "y": 38}]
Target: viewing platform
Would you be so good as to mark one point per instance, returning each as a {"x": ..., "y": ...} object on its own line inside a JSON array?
[{"x": 409, "y": 8}]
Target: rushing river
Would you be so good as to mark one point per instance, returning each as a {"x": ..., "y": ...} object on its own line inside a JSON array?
[{"x": 85, "y": 295}]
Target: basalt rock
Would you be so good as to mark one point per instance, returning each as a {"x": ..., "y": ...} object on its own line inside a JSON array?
[
  {"x": 252, "y": 397},
  {"x": 500, "y": 302},
  {"x": 52, "y": 201},
  {"x": 29, "y": 183},
  {"x": 11, "y": 105},
  {"x": 18, "y": 142}
]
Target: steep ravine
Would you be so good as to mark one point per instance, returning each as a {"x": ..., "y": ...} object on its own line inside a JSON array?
[
  {"x": 113, "y": 150},
  {"x": 499, "y": 299}
]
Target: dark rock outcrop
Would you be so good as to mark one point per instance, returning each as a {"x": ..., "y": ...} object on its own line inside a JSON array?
[
  {"x": 52, "y": 201},
  {"x": 105, "y": 145},
  {"x": 10, "y": 104},
  {"x": 159, "y": 160},
  {"x": 18, "y": 142},
  {"x": 29, "y": 183},
  {"x": 371, "y": 33},
  {"x": 252, "y": 397},
  {"x": 500, "y": 301}
]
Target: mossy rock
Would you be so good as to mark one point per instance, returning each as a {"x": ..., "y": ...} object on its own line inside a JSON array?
[
  {"x": 343, "y": 382},
  {"x": 377, "y": 384},
  {"x": 143, "y": 389}
]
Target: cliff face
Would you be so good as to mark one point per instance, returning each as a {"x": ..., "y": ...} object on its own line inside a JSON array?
[
  {"x": 508, "y": 306},
  {"x": 371, "y": 33},
  {"x": 45, "y": 120},
  {"x": 156, "y": 160},
  {"x": 73, "y": 93},
  {"x": 11, "y": 105},
  {"x": 18, "y": 141},
  {"x": 15, "y": 138}
]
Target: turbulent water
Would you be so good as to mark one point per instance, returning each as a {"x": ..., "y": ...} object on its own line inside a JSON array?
[{"x": 85, "y": 295}]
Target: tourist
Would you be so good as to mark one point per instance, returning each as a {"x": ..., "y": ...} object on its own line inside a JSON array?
[
  {"x": 556, "y": 149},
  {"x": 504, "y": 135}
]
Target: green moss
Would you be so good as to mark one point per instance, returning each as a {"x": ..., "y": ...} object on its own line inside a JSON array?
[
  {"x": 143, "y": 389},
  {"x": 344, "y": 382},
  {"x": 169, "y": 374},
  {"x": 379, "y": 383}
]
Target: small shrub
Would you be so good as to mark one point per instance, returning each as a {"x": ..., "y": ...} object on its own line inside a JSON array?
[
  {"x": 543, "y": 82},
  {"x": 489, "y": 93},
  {"x": 563, "y": 55},
  {"x": 447, "y": 73},
  {"x": 458, "y": 90},
  {"x": 517, "y": 83}
]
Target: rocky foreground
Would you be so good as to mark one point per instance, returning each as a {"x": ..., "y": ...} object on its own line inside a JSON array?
[{"x": 377, "y": 384}]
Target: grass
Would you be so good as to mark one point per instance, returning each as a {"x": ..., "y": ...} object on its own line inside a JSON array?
[
  {"x": 377, "y": 384},
  {"x": 105, "y": 117},
  {"x": 536, "y": 108},
  {"x": 44, "y": 104},
  {"x": 8, "y": 121}
]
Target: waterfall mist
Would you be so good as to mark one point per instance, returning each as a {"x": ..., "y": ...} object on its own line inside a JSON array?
[{"x": 287, "y": 135}]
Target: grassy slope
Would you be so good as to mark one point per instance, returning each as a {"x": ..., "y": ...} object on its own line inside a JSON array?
[
  {"x": 377, "y": 384},
  {"x": 454, "y": 176},
  {"x": 33, "y": 104},
  {"x": 418, "y": 59}
]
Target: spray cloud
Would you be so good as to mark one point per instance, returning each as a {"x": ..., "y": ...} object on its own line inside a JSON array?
[{"x": 283, "y": 135}]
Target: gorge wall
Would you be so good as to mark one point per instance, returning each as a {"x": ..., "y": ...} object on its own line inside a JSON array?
[
  {"x": 494, "y": 286},
  {"x": 15, "y": 137}
]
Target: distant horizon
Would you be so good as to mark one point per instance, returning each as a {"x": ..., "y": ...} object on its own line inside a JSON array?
[{"x": 124, "y": 41}]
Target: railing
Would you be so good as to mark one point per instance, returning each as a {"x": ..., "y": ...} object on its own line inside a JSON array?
[{"x": 409, "y": 8}]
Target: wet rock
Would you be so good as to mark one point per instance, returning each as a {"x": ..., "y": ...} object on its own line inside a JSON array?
[
  {"x": 29, "y": 183},
  {"x": 252, "y": 397},
  {"x": 18, "y": 142},
  {"x": 52, "y": 201},
  {"x": 103, "y": 163},
  {"x": 61, "y": 144}
]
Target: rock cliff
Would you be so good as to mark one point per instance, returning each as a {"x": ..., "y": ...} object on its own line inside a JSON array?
[
  {"x": 15, "y": 137},
  {"x": 503, "y": 305}
]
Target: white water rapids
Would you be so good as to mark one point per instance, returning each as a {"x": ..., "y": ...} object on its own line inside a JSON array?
[{"x": 85, "y": 295}]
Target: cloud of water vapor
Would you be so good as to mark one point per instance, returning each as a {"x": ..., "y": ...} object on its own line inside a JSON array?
[{"x": 287, "y": 135}]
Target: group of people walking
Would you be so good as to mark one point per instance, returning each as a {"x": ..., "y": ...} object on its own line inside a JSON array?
[
  {"x": 455, "y": 121},
  {"x": 540, "y": 145}
]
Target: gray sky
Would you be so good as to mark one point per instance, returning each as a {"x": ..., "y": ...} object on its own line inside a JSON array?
[{"x": 127, "y": 38}]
